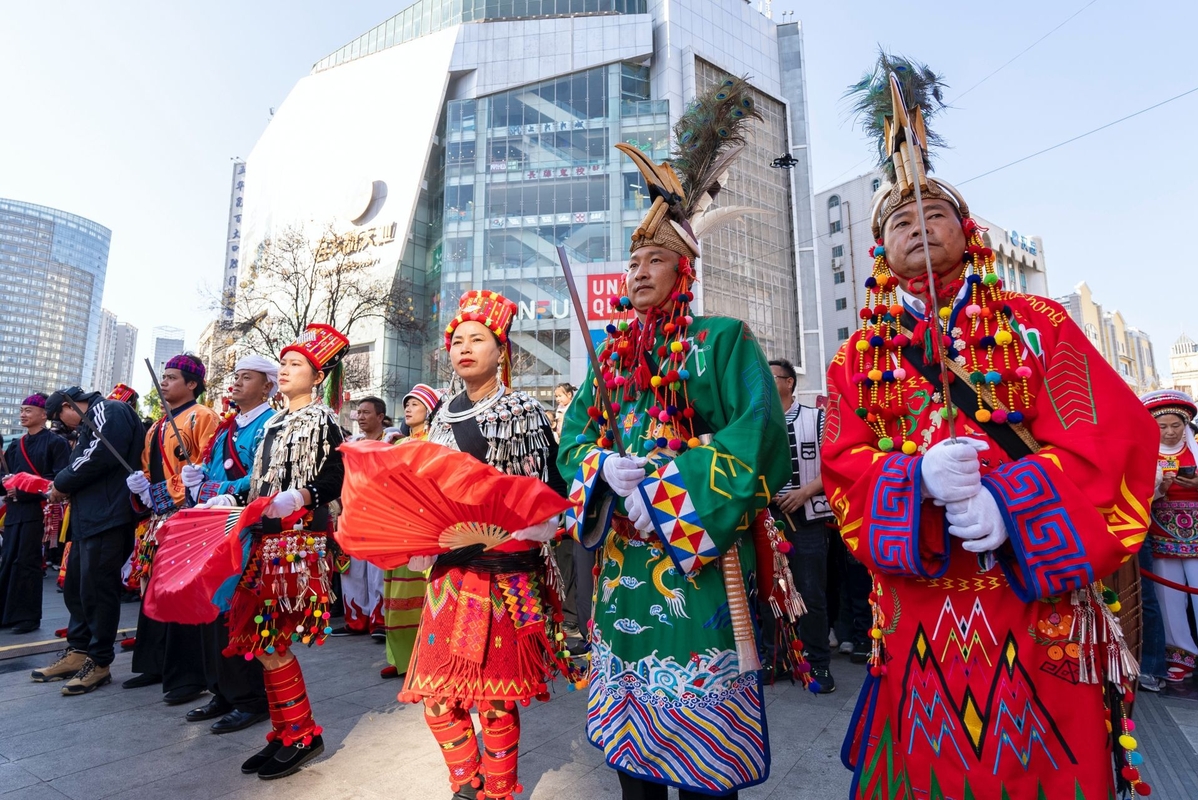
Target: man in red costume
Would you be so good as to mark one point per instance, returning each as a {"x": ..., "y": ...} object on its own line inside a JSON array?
[{"x": 997, "y": 667}]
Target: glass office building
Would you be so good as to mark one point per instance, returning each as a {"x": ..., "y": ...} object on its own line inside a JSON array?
[
  {"x": 52, "y": 267},
  {"x": 504, "y": 151}
]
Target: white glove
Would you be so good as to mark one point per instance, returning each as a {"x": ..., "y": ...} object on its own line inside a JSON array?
[
  {"x": 137, "y": 482},
  {"x": 544, "y": 532},
  {"x": 421, "y": 563},
  {"x": 638, "y": 514},
  {"x": 220, "y": 501},
  {"x": 285, "y": 504},
  {"x": 978, "y": 521},
  {"x": 624, "y": 473},
  {"x": 951, "y": 471},
  {"x": 192, "y": 475},
  {"x": 139, "y": 485}
]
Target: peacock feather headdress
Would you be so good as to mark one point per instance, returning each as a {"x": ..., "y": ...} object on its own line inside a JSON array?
[
  {"x": 709, "y": 137},
  {"x": 896, "y": 93}
]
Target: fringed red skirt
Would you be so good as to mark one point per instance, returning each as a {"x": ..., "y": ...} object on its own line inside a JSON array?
[
  {"x": 487, "y": 636},
  {"x": 284, "y": 595}
]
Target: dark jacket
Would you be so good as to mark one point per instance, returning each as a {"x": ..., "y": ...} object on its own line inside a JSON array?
[
  {"x": 94, "y": 479},
  {"x": 47, "y": 454}
]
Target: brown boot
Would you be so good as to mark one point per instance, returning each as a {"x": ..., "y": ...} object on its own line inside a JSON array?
[
  {"x": 69, "y": 662},
  {"x": 88, "y": 679}
]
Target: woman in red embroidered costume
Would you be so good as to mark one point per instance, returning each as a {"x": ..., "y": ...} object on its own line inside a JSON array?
[
  {"x": 284, "y": 595},
  {"x": 490, "y": 630},
  {"x": 998, "y": 668},
  {"x": 1174, "y": 532}
]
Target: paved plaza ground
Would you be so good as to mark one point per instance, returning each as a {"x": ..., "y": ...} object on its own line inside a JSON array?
[{"x": 118, "y": 743}]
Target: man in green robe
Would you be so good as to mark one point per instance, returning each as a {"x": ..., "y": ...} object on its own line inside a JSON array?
[{"x": 675, "y": 694}]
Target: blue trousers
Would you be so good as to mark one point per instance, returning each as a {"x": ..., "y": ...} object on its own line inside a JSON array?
[{"x": 1152, "y": 655}]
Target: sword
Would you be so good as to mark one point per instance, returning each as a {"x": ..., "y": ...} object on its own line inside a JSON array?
[
  {"x": 170, "y": 416},
  {"x": 914, "y": 159},
  {"x": 600, "y": 386},
  {"x": 103, "y": 439}
]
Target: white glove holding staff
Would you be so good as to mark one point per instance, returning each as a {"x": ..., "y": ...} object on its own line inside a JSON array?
[
  {"x": 624, "y": 473},
  {"x": 951, "y": 471},
  {"x": 139, "y": 485},
  {"x": 192, "y": 476}
]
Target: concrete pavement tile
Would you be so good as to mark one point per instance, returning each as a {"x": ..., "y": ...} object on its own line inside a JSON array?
[
  {"x": 100, "y": 740},
  {"x": 116, "y": 777},
  {"x": 1190, "y": 732},
  {"x": 207, "y": 779},
  {"x": 49, "y": 709},
  {"x": 41, "y": 791},
  {"x": 1184, "y": 714},
  {"x": 548, "y": 777},
  {"x": 13, "y": 778}
]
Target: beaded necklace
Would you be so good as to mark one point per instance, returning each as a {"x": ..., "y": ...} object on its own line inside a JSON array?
[
  {"x": 627, "y": 371},
  {"x": 984, "y": 345}
]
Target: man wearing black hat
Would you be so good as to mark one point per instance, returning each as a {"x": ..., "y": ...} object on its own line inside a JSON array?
[
  {"x": 102, "y": 525},
  {"x": 43, "y": 454}
]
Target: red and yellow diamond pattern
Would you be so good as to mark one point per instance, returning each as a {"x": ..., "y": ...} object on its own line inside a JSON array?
[{"x": 677, "y": 521}]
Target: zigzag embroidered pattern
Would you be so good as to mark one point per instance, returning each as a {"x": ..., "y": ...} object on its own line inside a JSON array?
[
  {"x": 980, "y": 583},
  {"x": 1068, "y": 382}
]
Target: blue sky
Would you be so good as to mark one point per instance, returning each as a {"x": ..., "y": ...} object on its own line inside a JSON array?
[{"x": 128, "y": 113}]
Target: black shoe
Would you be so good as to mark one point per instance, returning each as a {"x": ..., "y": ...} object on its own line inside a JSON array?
[
  {"x": 861, "y": 652},
  {"x": 28, "y": 626},
  {"x": 186, "y": 694},
  {"x": 823, "y": 677},
  {"x": 257, "y": 760},
  {"x": 379, "y": 635},
  {"x": 468, "y": 792},
  {"x": 237, "y": 720},
  {"x": 289, "y": 759},
  {"x": 344, "y": 631},
  {"x": 216, "y": 708},
  {"x": 141, "y": 681}
]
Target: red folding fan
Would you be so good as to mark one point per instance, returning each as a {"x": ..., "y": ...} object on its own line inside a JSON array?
[
  {"x": 27, "y": 482},
  {"x": 420, "y": 498},
  {"x": 200, "y": 557}
]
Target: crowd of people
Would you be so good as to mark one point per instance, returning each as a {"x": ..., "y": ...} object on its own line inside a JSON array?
[{"x": 946, "y": 518}]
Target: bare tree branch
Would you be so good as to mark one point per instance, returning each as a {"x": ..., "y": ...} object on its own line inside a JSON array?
[{"x": 292, "y": 284}]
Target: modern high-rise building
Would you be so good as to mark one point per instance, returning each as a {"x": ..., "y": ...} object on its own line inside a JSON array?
[
  {"x": 457, "y": 145},
  {"x": 1127, "y": 349},
  {"x": 844, "y": 238},
  {"x": 52, "y": 269},
  {"x": 101, "y": 376},
  {"x": 167, "y": 342},
  {"x": 124, "y": 357}
]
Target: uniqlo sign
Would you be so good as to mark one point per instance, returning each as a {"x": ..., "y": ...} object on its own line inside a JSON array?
[{"x": 600, "y": 290}]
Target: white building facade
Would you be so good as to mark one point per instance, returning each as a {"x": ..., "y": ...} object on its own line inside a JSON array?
[{"x": 471, "y": 175}]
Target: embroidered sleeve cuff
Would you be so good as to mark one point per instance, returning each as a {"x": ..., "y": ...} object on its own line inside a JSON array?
[
  {"x": 677, "y": 522},
  {"x": 893, "y": 524},
  {"x": 588, "y": 521},
  {"x": 209, "y": 490},
  {"x": 1046, "y": 557}
]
